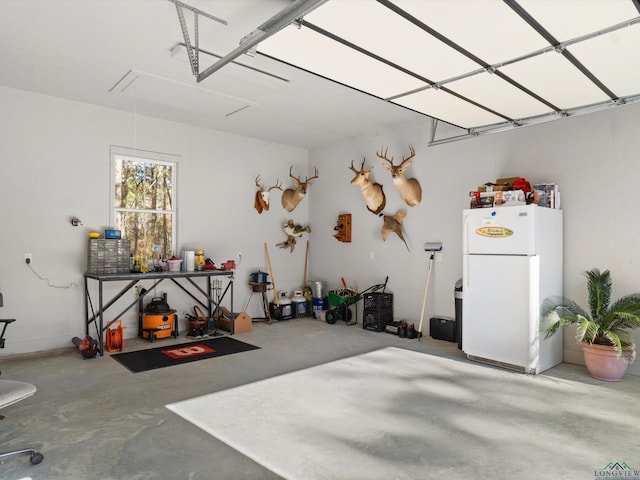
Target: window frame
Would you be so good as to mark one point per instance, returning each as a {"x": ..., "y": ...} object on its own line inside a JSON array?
[{"x": 145, "y": 156}]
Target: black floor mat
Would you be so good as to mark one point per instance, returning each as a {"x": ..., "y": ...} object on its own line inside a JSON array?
[{"x": 168, "y": 355}]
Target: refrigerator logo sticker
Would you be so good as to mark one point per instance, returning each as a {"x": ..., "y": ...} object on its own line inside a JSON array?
[{"x": 494, "y": 232}]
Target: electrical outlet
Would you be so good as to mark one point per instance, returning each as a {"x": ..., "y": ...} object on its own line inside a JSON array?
[
  {"x": 438, "y": 257},
  {"x": 27, "y": 258}
]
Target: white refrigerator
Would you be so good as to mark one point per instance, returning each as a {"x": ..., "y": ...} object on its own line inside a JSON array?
[{"x": 512, "y": 260}]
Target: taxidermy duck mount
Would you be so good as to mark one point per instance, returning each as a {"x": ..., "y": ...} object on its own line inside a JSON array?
[{"x": 393, "y": 225}]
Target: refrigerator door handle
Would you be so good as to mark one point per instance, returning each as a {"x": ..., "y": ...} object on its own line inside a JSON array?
[{"x": 465, "y": 273}]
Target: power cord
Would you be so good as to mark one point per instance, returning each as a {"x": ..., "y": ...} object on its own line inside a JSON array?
[{"x": 49, "y": 284}]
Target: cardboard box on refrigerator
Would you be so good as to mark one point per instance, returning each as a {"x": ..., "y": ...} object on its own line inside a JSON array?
[{"x": 508, "y": 181}]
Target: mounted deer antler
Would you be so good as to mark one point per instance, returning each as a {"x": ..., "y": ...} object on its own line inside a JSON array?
[
  {"x": 371, "y": 191},
  {"x": 292, "y": 196},
  {"x": 262, "y": 197},
  {"x": 409, "y": 188}
]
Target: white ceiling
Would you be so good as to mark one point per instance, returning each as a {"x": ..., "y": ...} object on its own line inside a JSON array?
[{"x": 126, "y": 54}]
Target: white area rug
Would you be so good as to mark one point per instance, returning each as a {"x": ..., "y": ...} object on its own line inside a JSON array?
[{"x": 398, "y": 414}]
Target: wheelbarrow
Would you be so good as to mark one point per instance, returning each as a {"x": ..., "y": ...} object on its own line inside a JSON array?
[{"x": 341, "y": 300}]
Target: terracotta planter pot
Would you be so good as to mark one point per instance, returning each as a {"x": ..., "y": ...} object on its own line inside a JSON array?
[{"x": 603, "y": 362}]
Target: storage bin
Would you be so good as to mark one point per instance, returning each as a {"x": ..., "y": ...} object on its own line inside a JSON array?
[
  {"x": 109, "y": 256},
  {"x": 442, "y": 329},
  {"x": 378, "y": 301},
  {"x": 377, "y": 320}
]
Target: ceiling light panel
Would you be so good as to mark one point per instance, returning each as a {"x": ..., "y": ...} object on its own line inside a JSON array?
[
  {"x": 307, "y": 49},
  {"x": 377, "y": 29},
  {"x": 568, "y": 19},
  {"x": 613, "y": 58},
  {"x": 489, "y": 29},
  {"x": 494, "y": 92},
  {"x": 180, "y": 96},
  {"x": 554, "y": 78},
  {"x": 447, "y": 107}
]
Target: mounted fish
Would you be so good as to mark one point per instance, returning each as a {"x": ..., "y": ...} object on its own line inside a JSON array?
[
  {"x": 291, "y": 197},
  {"x": 393, "y": 225},
  {"x": 409, "y": 188},
  {"x": 296, "y": 230},
  {"x": 261, "y": 202},
  {"x": 371, "y": 191},
  {"x": 292, "y": 230}
]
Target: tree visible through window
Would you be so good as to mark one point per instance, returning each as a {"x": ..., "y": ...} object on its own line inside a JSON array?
[{"x": 144, "y": 204}]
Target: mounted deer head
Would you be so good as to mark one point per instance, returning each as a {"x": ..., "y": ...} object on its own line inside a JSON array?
[
  {"x": 291, "y": 197},
  {"x": 262, "y": 197},
  {"x": 409, "y": 188},
  {"x": 371, "y": 191},
  {"x": 393, "y": 225}
]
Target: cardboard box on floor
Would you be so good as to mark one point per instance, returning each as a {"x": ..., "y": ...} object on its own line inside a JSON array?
[{"x": 234, "y": 322}]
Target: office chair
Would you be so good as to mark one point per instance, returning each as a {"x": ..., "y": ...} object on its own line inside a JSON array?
[{"x": 13, "y": 392}]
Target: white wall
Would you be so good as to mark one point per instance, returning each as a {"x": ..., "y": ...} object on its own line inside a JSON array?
[
  {"x": 593, "y": 158},
  {"x": 55, "y": 165}
]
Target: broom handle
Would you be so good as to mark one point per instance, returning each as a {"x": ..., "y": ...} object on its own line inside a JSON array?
[
  {"x": 306, "y": 259},
  {"x": 426, "y": 291},
  {"x": 273, "y": 280}
]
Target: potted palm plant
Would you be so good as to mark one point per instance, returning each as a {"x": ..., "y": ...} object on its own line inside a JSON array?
[{"x": 604, "y": 332}]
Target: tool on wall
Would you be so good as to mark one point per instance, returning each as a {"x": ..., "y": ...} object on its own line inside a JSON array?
[{"x": 431, "y": 248}]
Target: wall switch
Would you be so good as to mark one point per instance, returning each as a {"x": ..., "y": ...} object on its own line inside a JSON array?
[
  {"x": 439, "y": 257},
  {"x": 372, "y": 255}
]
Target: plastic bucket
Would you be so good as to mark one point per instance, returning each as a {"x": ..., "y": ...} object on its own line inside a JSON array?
[
  {"x": 319, "y": 305},
  {"x": 174, "y": 265}
]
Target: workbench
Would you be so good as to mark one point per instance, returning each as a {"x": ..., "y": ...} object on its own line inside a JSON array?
[{"x": 189, "y": 286}]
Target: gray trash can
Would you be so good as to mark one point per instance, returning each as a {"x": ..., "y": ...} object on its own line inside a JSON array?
[{"x": 457, "y": 295}]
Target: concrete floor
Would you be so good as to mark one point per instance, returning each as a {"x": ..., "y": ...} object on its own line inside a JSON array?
[{"x": 95, "y": 419}]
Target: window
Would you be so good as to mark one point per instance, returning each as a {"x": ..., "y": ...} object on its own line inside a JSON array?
[{"x": 144, "y": 209}]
